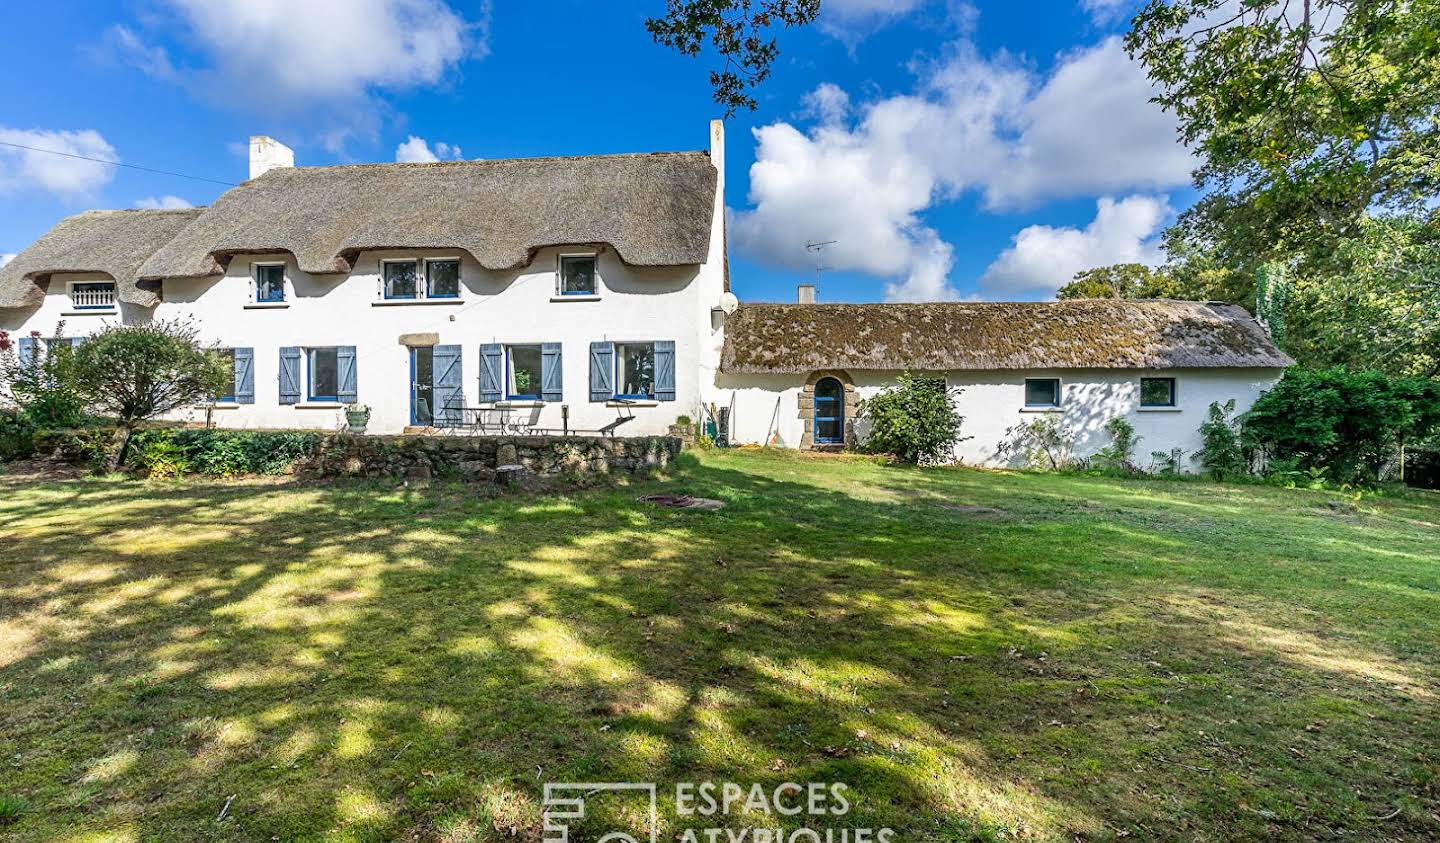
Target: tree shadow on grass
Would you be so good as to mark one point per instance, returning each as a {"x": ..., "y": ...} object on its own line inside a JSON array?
[{"x": 369, "y": 664}]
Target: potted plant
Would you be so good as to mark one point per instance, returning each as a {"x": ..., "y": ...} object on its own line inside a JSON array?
[{"x": 357, "y": 416}]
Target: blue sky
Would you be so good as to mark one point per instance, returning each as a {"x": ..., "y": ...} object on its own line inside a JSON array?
[{"x": 953, "y": 150}]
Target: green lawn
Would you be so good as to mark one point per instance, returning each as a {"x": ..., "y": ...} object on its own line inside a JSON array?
[{"x": 977, "y": 655}]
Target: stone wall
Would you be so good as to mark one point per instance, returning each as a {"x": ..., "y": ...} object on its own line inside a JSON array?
[{"x": 478, "y": 457}]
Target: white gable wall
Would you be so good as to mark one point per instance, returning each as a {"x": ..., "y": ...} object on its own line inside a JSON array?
[{"x": 992, "y": 402}]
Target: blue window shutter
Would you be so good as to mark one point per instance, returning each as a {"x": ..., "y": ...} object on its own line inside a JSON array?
[
  {"x": 449, "y": 385},
  {"x": 602, "y": 371},
  {"x": 27, "y": 351},
  {"x": 552, "y": 379},
  {"x": 244, "y": 376},
  {"x": 492, "y": 365},
  {"x": 290, "y": 375},
  {"x": 665, "y": 370},
  {"x": 345, "y": 362}
]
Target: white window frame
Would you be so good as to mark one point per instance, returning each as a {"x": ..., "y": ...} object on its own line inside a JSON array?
[
  {"x": 508, "y": 373},
  {"x": 419, "y": 281},
  {"x": 560, "y": 294},
  {"x": 1043, "y": 408},
  {"x": 424, "y": 289},
  {"x": 77, "y": 310},
  {"x": 619, "y": 372},
  {"x": 422, "y": 282},
  {"x": 255, "y": 284}
]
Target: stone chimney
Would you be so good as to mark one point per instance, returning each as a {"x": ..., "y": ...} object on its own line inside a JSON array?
[
  {"x": 805, "y": 294},
  {"x": 266, "y": 154}
]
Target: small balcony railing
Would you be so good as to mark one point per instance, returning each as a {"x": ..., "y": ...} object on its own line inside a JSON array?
[{"x": 98, "y": 298}]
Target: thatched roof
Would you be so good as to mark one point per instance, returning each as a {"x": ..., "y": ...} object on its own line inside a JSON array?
[
  {"x": 112, "y": 242},
  {"x": 1084, "y": 334},
  {"x": 654, "y": 209}
]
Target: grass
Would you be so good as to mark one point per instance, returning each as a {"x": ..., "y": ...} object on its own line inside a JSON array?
[{"x": 977, "y": 655}]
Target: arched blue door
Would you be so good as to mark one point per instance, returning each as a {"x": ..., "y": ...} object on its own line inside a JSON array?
[{"x": 829, "y": 412}]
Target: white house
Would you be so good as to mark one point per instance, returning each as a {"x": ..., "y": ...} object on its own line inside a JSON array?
[{"x": 583, "y": 294}]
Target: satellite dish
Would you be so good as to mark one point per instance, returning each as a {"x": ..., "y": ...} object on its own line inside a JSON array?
[{"x": 729, "y": 303}]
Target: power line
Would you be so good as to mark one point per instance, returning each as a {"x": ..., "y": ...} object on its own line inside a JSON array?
[{"x": 116, "y": 163}]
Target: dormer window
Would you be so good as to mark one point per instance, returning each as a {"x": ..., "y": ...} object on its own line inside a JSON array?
[
  {"x": 400, "y": 279},
  {"x": 577, "y": 275},
  {"x": 93, "y": 295},
  {"x": 269, "y": 283}
]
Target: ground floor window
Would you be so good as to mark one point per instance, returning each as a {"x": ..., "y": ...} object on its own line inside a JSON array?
[
  {"x": 635, "y": 370},
  {"x": 1157, "y": 392},
  {"x": 227, "y": 392},
  {"x": 524, "y": 371},
  {"x": 324, "y": 375},
  {"x": 1042, "y": 392}
]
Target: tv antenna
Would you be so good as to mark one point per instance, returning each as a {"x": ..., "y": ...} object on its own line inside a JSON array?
[{"x": 815, "y": 247}]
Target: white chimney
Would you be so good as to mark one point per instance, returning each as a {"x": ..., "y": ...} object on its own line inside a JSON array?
[
  {"x": 806, "y": 294},
  {"x": 266, "y": 154}
]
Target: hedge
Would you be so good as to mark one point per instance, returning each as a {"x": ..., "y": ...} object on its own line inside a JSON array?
[{"x": 170, "y": 452}]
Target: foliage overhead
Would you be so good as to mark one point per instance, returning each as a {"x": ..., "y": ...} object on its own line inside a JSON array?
[
  {"x": 1306, "y": 116},
  {"x": 738, "y": 30},
  {"x": 915, "y": 420}
]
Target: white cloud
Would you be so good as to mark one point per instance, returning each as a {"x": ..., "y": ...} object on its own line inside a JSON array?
[
  {"x": 167, "y": 203},
  {"x": 318, "y": 58},
  {"x": 6, "y": 258},
  {"x": 67, "y": 177},
  {"x": 1045, "y": 258},
  {"x": 416, "y": 151},
  {"x": 1107, "y": 11},
  {"x": 852, "y": 20},
  {"x": 990, "y": 127}
]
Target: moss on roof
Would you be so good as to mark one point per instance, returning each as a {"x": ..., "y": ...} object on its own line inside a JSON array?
[
  {"x": 1097, "y": 333},
  {"x": 654, "y": 209},
  {"x": 115, "y": 243}
]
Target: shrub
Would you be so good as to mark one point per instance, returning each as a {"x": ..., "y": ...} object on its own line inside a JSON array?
[
  {"x": 1220, "y": 452},
  {"x": 1119, "y": 455},
  {"x": 1167, "y": 463},
  {"x": 1349, "y": 424},
  {"x": 17, "y": 435},
  {"x": 220, "y": 453},
  {"x": 915, "y": 420},
  {"x": 43, "y": 385},
  {"x": 1046, "y": 443}
]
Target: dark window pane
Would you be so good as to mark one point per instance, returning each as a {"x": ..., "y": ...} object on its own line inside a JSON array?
[
  {"x": 636, "y": 363},
  {"x": 399, "y": 279},
  {"x": 1157, "y": 392},
  {"x": 828, "y": 430},
  {"x": 424, "y": 386},
  {"x": 228, "y": 392},
  {"x": 1042, "y": 392},
  {"x": 524, "y": 371},
  {"x": 577, "y": 275},
  {"x": 324, "y": 374},
  {"x": 443, "y": 279},
  {"x": 269, "y": 283}
]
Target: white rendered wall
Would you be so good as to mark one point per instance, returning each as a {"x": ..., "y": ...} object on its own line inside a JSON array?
[{"x": 766, "y": 406}]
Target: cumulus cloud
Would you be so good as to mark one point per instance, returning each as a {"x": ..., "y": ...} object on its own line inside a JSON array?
[
  {"x": 852, "y": 20},
  {"x": 990, "y": 127},
  {"x": 1107, "y": 11},
  {"x": 319, "y": 58},
  {"x": 6, "y": 258},
  {"x": 1045, "y": 258},
  {"x": 416, "y": 151},
  {"x": 165, "y": 203},
  {"x": 39, "y": 168}
]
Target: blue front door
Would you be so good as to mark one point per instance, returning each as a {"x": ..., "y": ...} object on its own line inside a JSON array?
[{"x": 829, "y": 412}]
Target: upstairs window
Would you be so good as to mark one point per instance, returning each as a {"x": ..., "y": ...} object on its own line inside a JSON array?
[
  {"x": 577, "y": 275},
  {"x": 1157, "y": 392},
  {"x": 400, "y": 279},
  {"x": 635, "y": 370},
  {"x": 442, "y": 279},
  {"x": 269, "y": 283},
  {"x": 1042, "y": 393},
  {"x": 93, "y": 295}
]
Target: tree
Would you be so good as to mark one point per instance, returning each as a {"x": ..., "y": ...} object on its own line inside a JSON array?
[
  {"x": 140, "y": 372},
  {"x": 737, "y": 30},
  {"x": 1307, "y": 115},
  {"x": 915, "y": 420},
  {"x": 1117, "y": 281}
]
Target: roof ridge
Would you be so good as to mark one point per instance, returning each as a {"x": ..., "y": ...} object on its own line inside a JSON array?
[
  {"x": 478, "y": 162},
  {"x": 99, "y": 211}
]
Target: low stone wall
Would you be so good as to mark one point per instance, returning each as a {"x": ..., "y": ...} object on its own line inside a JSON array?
[{"x": 478, "y": 457}]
